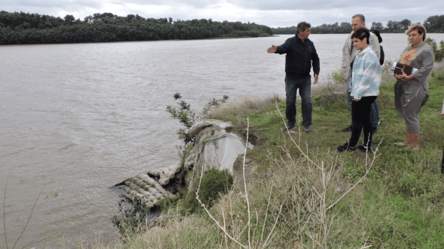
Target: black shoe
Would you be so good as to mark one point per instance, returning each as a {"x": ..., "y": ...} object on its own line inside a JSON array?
[
  {"x": 442, "y": 165},
  {"x": 364, "y": 149},
  {"x": 347, "y": 129},
  {"x": 289, "y": 126},
  {"x": 345, "y": 147}
]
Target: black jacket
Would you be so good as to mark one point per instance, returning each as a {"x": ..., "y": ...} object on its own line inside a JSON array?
[{"x": 299, "y": 57}]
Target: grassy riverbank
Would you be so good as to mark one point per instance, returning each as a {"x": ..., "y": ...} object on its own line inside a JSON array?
[{"x": 299, "y": 194}]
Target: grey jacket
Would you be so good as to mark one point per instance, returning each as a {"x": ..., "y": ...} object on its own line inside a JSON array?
[{"x": 348, "y": 56}]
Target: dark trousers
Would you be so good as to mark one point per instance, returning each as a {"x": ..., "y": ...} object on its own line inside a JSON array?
[
  {"x": 374, "y": 112},
  {"x": 361, "y": 120},
  {"x": 304, "y": 86},
  {"x": 442, "y": 165}
]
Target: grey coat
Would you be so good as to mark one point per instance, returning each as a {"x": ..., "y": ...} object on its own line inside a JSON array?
[{"x": 411, "y": 95}]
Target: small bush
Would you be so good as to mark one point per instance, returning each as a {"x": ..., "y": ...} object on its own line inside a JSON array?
[
  {"x": 132, "y": 218},
  {"x": 331, "y": 92},
  {"x": 387, "y": 74},
  {"x": 338, "y": 77},
  {"x": 214, "y": 184},
  {"x": 188, "y": 117},
  {"x": 439, "y": 53}
]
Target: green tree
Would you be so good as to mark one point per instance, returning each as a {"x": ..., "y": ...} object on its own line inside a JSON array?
[
  {"x": 439, "y": 53},
  {"x": 69, "y": 19},
  {"x": 405, "y": 23},
  {"x": 377, "y": 26}
]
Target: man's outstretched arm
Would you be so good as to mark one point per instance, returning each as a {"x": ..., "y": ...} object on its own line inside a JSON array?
[{"x": 272, "y": 49}]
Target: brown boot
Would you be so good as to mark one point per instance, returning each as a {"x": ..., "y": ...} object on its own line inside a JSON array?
[
  {"x": 409, "y": 138},
  {"x": 408, "y": 141},
  {"x": 414, "y": 140}
]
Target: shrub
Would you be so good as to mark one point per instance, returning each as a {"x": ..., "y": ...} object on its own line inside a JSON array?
[
  {"x": 214, "y": 184},
  {"x": 439, "y": 53},
  {"x": 132, "y": 218},
  {"x": 188, "y": 117}
]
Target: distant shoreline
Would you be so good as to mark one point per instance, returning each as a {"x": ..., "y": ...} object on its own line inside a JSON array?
[{"x": 72, "y": 43}]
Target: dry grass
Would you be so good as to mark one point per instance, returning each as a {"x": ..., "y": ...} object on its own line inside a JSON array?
[
  {"x": 242, "y": 107},
  {"x": 315, "y": 198},
  {"x": 438, "y": 67},
  {"x": 332, "y": 89},
  {"x": 386, "y": 73},
  {"x": 292, "y": 208}
]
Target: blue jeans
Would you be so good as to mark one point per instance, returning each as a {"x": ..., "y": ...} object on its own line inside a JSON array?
[
  {"x": 304, "y": 86},
  {"x": 374, "y": 111}
]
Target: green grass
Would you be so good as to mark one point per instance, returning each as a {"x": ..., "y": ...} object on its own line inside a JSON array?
[{"x": 398, "y": 205}]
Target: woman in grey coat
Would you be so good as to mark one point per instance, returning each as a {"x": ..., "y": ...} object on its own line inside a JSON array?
[{"x": 411, "y": 91}]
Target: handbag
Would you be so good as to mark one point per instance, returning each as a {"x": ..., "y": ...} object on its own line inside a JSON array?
[{"x": 399, "y": 68}]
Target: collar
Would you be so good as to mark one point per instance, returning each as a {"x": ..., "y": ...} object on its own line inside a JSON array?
[
  {"x": 300, "y": 40},
  {"x": 417, "y": 46},
  {"x": 365, "y": 50}
]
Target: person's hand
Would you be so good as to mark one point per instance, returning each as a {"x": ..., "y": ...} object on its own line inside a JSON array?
[
  {"x": 272, "y": 49},
  {"x": 442, "y": 115},
  {"x": 316, "y": 79},
  {"x": 403, "y": 76},
  {"x": 355, "y": 100}
]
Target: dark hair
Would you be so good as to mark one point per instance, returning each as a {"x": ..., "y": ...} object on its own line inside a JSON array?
[
  {"x": 361, "y": 34},
  {"x": 376, "y": 32},
  {"x": 302, "y": 26},
  {"x": 419, "y": 28}
]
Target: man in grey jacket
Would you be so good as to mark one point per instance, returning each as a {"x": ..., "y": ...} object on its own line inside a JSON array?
[{"x": 348, "y": 56}]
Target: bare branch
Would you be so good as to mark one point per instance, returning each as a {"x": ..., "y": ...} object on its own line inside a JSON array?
[
  {"x": 225, "y": 237},
  {"x": 208, "y": 212},
  {"x": 34, "y": 242},
  {"x": 360, "y": 180},
  {"x": 245, "y": 185},
  {"x": 4, "y": 207},
  {"x": 271, "y": 232},
  {"x": 266, "y": 214},
  {"x": 365, "y": 246},
  {"x": 277, "y": 107},
  {"x": 313, "y": 239},
  {"x": 30, "y": 216}
]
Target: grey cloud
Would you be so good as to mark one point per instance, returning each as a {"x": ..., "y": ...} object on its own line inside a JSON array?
[
  {"x": 277, "y": 13},
  {"x": 29, "y": 4},
  {"x": 357, "y": 6},
  {"x": 193, "y": 3}
]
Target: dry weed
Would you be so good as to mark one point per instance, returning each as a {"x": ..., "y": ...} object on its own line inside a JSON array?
[
  {"x": 242, "y": 107},
  {"x": 386, "y": 73}
]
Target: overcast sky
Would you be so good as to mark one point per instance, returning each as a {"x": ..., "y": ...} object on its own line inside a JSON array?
[{"x": 273, "y": 13}]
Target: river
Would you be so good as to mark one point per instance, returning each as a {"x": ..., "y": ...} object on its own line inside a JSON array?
[{"x": 75, "y": 119}]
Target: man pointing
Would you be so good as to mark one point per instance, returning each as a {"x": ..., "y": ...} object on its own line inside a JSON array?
[{"x": 300, "y": 56}]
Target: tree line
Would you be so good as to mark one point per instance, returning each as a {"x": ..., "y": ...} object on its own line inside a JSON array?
[
  {"x": 433, "y": 24},
  {"x": 25, "y": 28}
]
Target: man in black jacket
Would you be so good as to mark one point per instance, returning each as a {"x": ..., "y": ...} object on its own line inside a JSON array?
[{"x": 300, "y": 56}]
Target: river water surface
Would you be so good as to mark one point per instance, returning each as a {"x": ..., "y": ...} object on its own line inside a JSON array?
[{"x": 75, "y": 119}]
